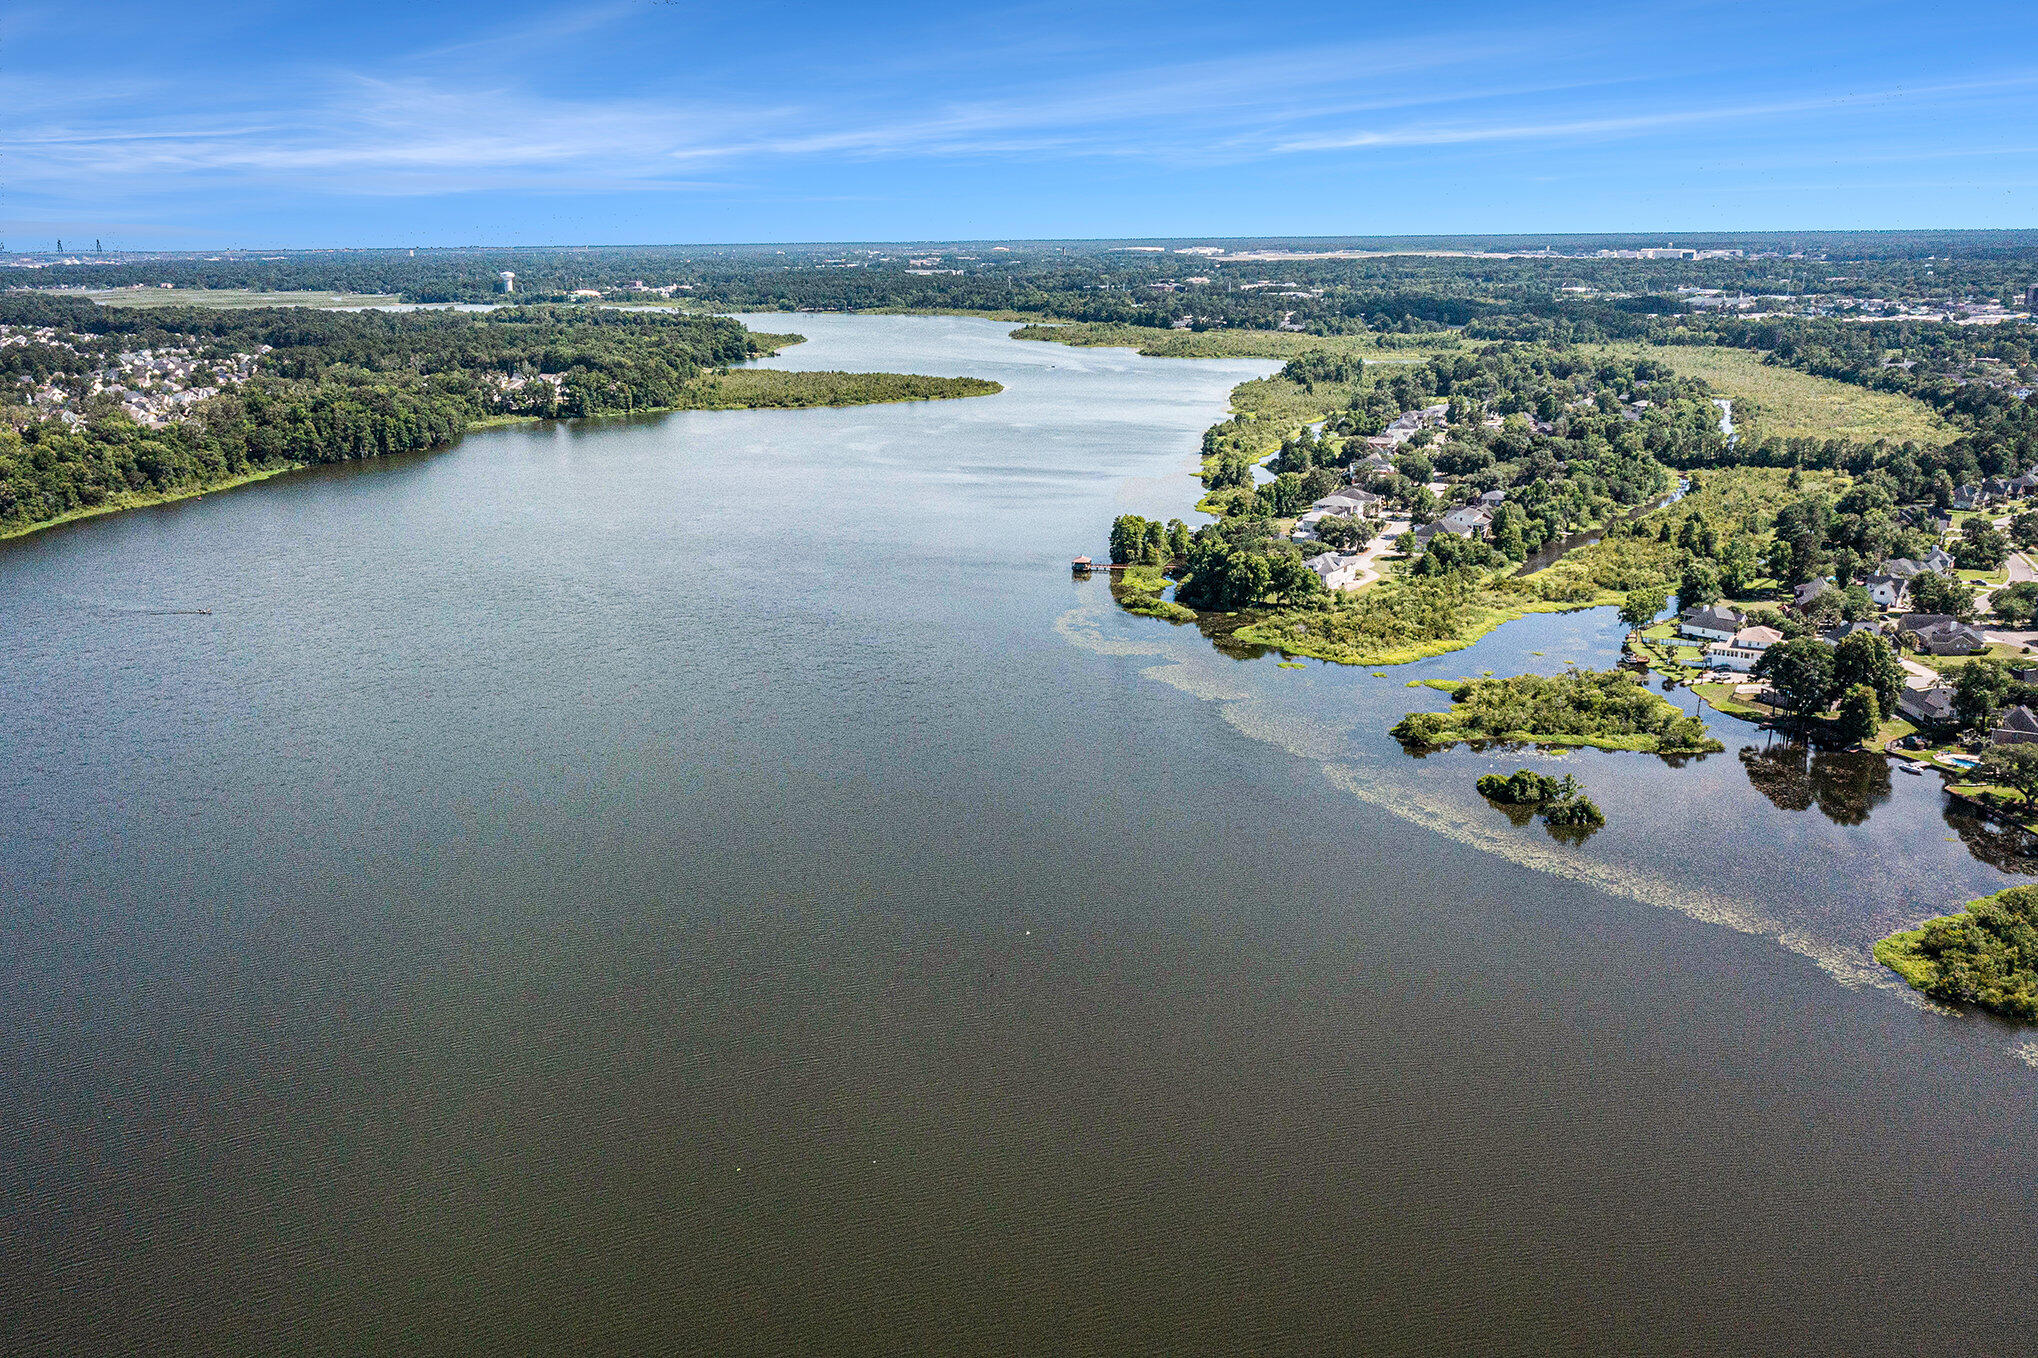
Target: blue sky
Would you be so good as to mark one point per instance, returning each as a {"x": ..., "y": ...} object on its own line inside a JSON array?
[{"x": 649, "y": 121}]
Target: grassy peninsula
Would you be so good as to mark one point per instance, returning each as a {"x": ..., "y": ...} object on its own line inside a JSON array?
[
  {"x": 1608, "y": 709},
  {"x": 1987, "y": 955},
  {"x": 771, "y": 389}
]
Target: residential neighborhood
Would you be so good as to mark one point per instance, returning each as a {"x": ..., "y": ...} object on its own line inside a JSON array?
[
  {"x": 152, "y": 385},
  {"x": 1718, "y": 646}
]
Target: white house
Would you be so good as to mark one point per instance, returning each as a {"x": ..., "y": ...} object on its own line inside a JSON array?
[
  {"x": 1888, "y": 591},
  {"x": 1351, "y": 500},
  {"x": 1744, "y": 650},
  {"x": 1714, "y": 622},
  {"x": 1337, "y": 570}
]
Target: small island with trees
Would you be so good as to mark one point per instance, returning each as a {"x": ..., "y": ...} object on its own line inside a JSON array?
[
  {"x": 1608, "y": 709},
  {"x": 1987, "y": 955},
  {"x": 1567, "y": 812}
]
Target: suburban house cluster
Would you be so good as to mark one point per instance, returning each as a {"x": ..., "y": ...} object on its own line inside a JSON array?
[
  {"x": 1344, "y": 570},
  {"x": 1733, "y": 643}
]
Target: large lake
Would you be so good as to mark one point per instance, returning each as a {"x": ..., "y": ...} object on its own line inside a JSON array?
[{"x": 715, "y": 883}]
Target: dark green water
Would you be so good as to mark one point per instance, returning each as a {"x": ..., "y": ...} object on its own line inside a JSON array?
[{"x": 715, "y": 884}]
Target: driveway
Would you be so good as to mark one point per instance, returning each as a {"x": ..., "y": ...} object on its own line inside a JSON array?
[{"x": 1916, "y": 675}]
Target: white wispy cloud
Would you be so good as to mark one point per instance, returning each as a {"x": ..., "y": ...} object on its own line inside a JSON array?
[{"x": 410, "y": 130}]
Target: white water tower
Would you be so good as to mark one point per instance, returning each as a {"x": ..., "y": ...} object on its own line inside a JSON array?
[{"x": 509, "y": 281}]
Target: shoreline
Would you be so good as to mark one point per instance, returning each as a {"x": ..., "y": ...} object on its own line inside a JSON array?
[{"x": 149, "y": 499}]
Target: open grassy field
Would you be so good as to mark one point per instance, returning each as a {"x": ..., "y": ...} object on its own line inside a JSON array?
[
  {"x": 231, "y": 298},
  {"x": 1157, "y": 343},
  {"x": 1786, "y": 403}
]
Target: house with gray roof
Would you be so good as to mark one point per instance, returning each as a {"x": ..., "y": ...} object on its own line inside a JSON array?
[
  {"x": 1918, "y": 622},
  {"x": 1351, "y": 501},
  {"x": 1951, "y": 638},
  {"x": 1337, "y": 570},
  {"x": 1888, "y": 591},
  {"x": 1469, "y": 522},
  {"x": 1714, "y": 622},
  {"x": 1839, "y": 632},
  {"x": 1808, "y": 591},
  {"x": 2018, "y": 726},
  {"x": 1927, "y": 706}
]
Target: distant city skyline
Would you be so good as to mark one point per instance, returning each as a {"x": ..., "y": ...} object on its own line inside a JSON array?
[{"x": 261, "y": 125}]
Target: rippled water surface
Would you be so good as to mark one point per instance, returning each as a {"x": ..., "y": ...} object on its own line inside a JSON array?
[{"x": 715, "y": 883}]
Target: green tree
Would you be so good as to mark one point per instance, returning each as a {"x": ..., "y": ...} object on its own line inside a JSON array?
[
  {"x": 1800, "y": 541},
  {"x": 2016, "y": 604},
  {"x": 1178, "y": 539},
  {"x": 1979, "y": 692},
  {"x": 1522, "y": 787},
  {"x": 1415, "y": 467},
  {"x": 1698, "y": 584},
  {"x": 1641, "y": 606},
  {"x": 1860, "y": 714},
  {"x": 1128, "y": 539},
  {"x": 1249, "y": 578},
  {"x": 2011, "y": 766},
  {"x": 1933, "y": 592},
  {"x": 1800, "y": 674},
  {"x": 1739, "y": 567},
  {"x": 1507, "y": 531},
  {"x": 1290, "y": 581},
  {"x": 1345, "y": 532},
  {"x": 1575, "y": 812},
  {"x": 1981, "y": 547},
  {"x": 1153, "y": 543},
  {"x": 1824, "y": 609},
  {"x": 1866, "y": 659}
]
